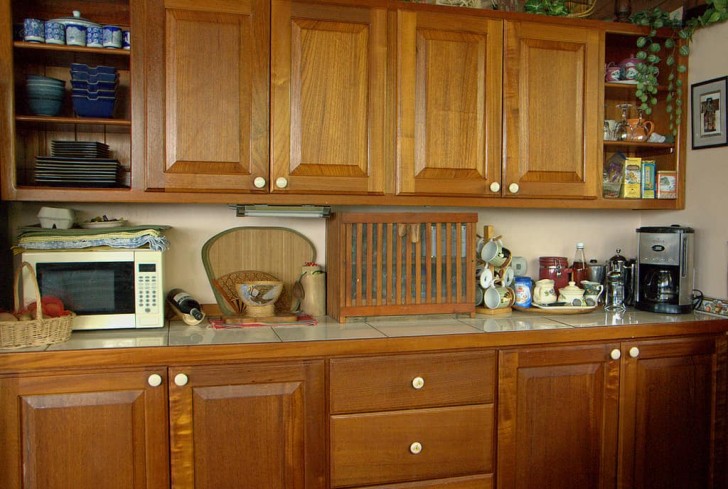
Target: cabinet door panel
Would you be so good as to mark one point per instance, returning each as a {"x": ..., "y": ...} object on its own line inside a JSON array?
[
  {"x": 557, "y": 418},
  {"x": 551, "y": 110},
  {"x": 449, "y": 98},
  {"x": 670, "y": 391},
  {"x": 97, "y": 430},
  {"x": 248, "y": 426},
  {"x": 208, "y": 104},
  {"x": 328, "y": 86}
]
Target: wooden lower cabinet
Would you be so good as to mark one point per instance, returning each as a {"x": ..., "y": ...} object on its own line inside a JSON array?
[
  {"x": 84, "y": 430},
  {"x": 227, "y": 426},
  {"x": 630, "y": 415}
]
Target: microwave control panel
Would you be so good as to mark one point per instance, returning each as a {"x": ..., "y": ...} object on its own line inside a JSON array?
[{"x": 149, "y": 297}]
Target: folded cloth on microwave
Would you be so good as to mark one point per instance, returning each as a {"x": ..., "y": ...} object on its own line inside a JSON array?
[{"x": 58, "y": 239}]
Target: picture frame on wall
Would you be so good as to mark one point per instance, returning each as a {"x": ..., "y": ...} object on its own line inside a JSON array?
[{"x": 708, "y": 106}]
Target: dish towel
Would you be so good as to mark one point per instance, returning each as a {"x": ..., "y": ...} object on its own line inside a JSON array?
[{"x": 36, "y": 238}]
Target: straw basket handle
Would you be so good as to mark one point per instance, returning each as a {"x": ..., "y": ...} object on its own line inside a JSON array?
[{"x": 18, "y": 275}]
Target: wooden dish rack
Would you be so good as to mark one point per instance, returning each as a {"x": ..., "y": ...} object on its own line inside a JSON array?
[{"x": 386, "y": 264}]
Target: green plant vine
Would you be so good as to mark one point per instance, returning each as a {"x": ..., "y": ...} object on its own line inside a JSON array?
[{"x": 675, "y": 50}]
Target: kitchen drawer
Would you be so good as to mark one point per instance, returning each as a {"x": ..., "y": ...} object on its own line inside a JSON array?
[
  {"x": 390, "y": 382},
  {"x": 378, "y": 448},
  {"x": 484, "y": 481}
]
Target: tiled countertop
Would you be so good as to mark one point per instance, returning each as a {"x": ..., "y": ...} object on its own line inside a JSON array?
[{"x": 180, "y": 334}]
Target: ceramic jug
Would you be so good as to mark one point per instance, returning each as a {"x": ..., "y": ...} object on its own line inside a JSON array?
[{"x": 544, "y": 292}]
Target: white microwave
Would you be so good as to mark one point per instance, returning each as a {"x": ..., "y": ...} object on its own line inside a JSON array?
[{"x": 111, "y": 289}]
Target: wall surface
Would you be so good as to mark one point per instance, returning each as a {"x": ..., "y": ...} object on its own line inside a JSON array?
[{"x": 707, "y": 177}]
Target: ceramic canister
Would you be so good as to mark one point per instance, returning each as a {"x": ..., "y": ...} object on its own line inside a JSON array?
[{"x": 522, "y": 288}]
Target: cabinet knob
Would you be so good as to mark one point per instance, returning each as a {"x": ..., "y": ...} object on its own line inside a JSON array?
[
  {"x": 514, "y": 188},
  {"x": 155, "y": 380},
  {"x": 180, "y": 380},
  {"x": 259, "y": 182},
  {"x": 415, "y": 448},
  {"x": 495, "y": 187},
  {"x": 615, "y": 354},
  {"x": 418, "y": 383},
  {"x": 634, "y": 352},
  {"x": 281, "y": 182}
]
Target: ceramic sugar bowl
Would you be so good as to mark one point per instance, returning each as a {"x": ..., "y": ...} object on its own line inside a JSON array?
[{"x": 572, "y": 295}]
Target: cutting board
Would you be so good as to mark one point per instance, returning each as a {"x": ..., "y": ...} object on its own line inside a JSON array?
[{"x": 280, "y": 252}]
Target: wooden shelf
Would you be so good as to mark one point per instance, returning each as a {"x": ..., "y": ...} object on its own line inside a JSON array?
[
  {"x": 42, "y": 119},
  {"x": 70, "y": 49}
]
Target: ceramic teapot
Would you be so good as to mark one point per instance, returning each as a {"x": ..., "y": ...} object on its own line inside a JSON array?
[
  {"x": 572, "y": 295},
  {"x": 544, "y": 292}
]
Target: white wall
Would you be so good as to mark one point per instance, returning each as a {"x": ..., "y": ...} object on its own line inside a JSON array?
[
  {"x": 707, "y": 177},
  {"x": 528, "y": 233}
]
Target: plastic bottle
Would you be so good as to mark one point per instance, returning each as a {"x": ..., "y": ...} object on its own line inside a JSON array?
[
  {"x": 579, "y": 268},
  {"x": 185, "y": 303}
]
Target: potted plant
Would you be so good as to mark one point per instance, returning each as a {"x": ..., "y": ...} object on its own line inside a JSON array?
[{"x": 674, "y": 49}]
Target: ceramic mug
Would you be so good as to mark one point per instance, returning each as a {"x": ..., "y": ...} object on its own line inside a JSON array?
[
  {"x": 112, "y": 37},
  {"x": 75, "y": 35},
  {"x": 495, "y": 253},
  {"x": 499, "y": 297},
  {"x": 522, "y": 289},
  {"x": 55, "y": 33},
  {"x": 94, "y": 37},
  {"x": 33, "y": 30}
]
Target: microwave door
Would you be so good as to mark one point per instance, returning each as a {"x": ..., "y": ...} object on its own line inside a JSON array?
[{"x": 100, "y": 293}]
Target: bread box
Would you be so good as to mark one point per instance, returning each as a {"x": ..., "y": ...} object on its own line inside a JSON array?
[{"x": 383, "y": 264}]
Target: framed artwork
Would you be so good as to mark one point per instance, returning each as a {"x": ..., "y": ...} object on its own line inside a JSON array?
[{"x": 708, "y": 102}]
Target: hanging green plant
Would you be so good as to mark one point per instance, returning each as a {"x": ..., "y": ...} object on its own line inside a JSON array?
[
  {"x": 546, "y": 7},
  {"x": 674, "y": 49}
]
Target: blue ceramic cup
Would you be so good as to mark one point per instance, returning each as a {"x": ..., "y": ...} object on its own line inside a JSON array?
[
  {"x": 34, "y": 30},
  {"x": 112, "y": 36},
  {"x": 55, "y": 33},
  {"x": 523, "y": 286},
  {"x": 94, "y": 37}
]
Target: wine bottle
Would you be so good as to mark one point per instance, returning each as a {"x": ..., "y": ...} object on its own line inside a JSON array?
[{"x": 185, "y": 303}]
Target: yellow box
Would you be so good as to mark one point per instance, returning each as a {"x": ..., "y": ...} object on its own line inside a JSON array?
[{"x": 632, "y": 188}]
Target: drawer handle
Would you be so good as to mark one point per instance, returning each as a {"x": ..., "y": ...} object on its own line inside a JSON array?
[
  {"x": 415, "y": 448},
  {"x": 418, "y": 383}
]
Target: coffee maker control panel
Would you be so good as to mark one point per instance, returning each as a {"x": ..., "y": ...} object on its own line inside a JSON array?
[{"x": 661, "y": 249}]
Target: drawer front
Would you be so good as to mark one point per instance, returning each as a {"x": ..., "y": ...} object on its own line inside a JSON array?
[
  {"x": 470, "y": 482},
  {"x": 378, "y": 448},
  {"x": 411, "y": 381}
]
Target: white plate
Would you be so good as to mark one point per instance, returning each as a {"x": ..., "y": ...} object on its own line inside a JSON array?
[{"x": 103, "y": 224}]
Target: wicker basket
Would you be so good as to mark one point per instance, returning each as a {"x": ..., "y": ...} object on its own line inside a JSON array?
[{"x": 34, "y": 332}]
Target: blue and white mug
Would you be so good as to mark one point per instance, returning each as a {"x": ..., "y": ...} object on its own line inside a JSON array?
[
  {"x": 55, "y": 33},
  {"x": 112, "y": 37},
  {"x": 34, "y": 30},
  {"x": 94, "y": 37}
]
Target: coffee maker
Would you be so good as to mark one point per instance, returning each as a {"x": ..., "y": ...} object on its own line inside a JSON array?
[{"x": 665, "y": 269}]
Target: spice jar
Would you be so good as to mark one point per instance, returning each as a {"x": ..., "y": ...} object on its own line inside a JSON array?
[{"x": 555, "y": 268}]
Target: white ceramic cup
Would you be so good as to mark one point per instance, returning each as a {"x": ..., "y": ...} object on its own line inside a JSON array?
[{"x": 498, "y": 297}]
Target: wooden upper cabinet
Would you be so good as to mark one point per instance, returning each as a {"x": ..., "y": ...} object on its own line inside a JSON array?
[
  {"x": 206, "y": 75},
  {"x": 449, "y": 103},
  {"x": 328, "y": 107},
  {"x": 551, "y": 92},
  {"x": 106, "y": 429}
]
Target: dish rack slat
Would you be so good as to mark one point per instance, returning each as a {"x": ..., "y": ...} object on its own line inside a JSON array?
[{"x": 400, "y": 263}]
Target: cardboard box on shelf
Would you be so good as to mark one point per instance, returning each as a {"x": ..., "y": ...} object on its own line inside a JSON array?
[
  {"x": 648, "y": 179},
  {"x": 632, "y": 188},
  {"x": 667, "y": 184}
]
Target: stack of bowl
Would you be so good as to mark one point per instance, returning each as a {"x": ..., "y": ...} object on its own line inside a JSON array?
[
  {"x": 44, "y": 94},
  {"x": 94, "y": 90}
]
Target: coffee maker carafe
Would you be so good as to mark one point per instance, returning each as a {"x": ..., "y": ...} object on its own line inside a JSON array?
[{"x": 665, "y": 269}]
